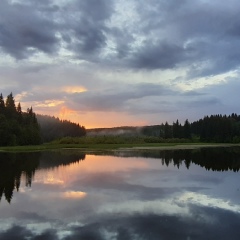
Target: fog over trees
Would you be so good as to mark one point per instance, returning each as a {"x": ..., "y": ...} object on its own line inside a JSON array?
[
  {"x": 215, "y": 128},
  {"x": 53, "y": 128}
]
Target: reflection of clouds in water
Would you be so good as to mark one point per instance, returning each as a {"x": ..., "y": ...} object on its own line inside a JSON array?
[
  {"x": 202, "y": 223},
  {"x": 204, "y": 200},
  {"x": 176, "y": 204},
  {"x": 165, "y": 206},
  {"x": 134, "y": 198}
]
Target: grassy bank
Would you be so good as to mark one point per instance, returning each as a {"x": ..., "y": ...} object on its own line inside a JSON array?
[
  {"x": 100, "y": 143},
  {"x": 51, "y": 146},
  {"x": 99, "y": 147},
  {"x": 112, "y": 143}
]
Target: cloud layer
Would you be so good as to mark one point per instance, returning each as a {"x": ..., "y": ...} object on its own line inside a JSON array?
[{"x": 130, "y": 56}]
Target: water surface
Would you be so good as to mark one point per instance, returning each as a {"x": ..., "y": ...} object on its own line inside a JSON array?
[{"x": 180, "y": 194}]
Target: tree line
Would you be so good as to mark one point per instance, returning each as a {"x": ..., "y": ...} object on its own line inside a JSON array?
[
  {"x": 17, "y": 127},
  {"x": 27, "y": 128},
  {"x": 53, "y": 128},
  {"x": 215, "y": 128}
]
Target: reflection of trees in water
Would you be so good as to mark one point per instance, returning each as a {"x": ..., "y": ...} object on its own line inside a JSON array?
[
  {"x": 215, "y": 159},
  {"x": 12, "y": 168},
  {"x": 54, "y": 159},
  {"x": 15, "y": 167}
]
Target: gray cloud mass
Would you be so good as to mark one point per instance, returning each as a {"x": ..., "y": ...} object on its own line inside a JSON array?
[
  {"x": 201, "y": 35},
  {"x": 170, "y": 57},
  {"x": 25, "y": 30}
]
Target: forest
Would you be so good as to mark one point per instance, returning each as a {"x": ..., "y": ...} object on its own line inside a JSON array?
[
  {"x": 17, "y": 127},
  {"x": 27, "y": 128},
  {"x": 53, "y": 128},
  {"x": 215, "y": 128}
]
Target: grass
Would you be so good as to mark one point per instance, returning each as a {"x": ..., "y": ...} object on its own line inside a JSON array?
[
  {"x": 97, "y": 146},
  {"x": 90, "y": 143},
  {"x": 50, "y": 146}
]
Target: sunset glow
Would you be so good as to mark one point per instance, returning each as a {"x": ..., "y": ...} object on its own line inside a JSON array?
[{"x": 74, "y": 89}]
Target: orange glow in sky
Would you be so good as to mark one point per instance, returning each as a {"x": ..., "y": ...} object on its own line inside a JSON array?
[
  {"x": 100, "y": 119},
  {"x": 74, "y": 89},
  {"x": 65, "y": 113}
]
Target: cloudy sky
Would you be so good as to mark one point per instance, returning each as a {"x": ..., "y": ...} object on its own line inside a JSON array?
[{"x": 106, "y": 63}]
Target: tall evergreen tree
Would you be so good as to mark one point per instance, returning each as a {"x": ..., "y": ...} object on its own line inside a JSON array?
[
  {"x": 177, "y": 130},
  {"x": 167, "y": 131},
  {"x": 2, "y": 104},
  {"x": 16, "y": 127},
  {"x": 19, "y": 108},
  {"x": 19, "y": 113},
  {"x": 10, "y": 106},
  {"x": 187, "y": 129}
]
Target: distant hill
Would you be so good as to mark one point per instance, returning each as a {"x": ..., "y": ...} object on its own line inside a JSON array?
[
  {"x": 126, "y": 131},
  {"x": 123, "y": 131},
  {"x": 53, "y": 128}
]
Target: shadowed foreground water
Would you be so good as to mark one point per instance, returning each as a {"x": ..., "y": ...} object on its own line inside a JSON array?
[{"x": 171, "y": 194}]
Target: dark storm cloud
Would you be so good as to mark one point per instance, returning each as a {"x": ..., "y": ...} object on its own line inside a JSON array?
[
  {"x": 86, "y": 35},
  {"x": 25, "y": 30},
  {"x": 201, "y": 36},
  {"x": 30, "y": 26},
  {"x": 162, "y": 55}
]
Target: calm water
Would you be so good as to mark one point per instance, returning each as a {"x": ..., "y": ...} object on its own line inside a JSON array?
[{"x": 183, "y": 194}]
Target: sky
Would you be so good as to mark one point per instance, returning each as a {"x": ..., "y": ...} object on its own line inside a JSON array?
[{"x": 108, "y": 63}]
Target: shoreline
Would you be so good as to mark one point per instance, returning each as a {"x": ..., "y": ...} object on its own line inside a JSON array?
[
  {"x": 114, "y": 147},
  {"x": 182, "y": 146}
]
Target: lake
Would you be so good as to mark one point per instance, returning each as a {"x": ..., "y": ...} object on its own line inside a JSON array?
[{"x": 121, "y": 195}]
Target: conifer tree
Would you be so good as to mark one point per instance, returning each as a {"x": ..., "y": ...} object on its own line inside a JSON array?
[
  {"x": 17, "y": 127},
  {"x": 10, "y": 106},
  {"x": 187, "y": 129},
  {"x": 2, "y": 104}
]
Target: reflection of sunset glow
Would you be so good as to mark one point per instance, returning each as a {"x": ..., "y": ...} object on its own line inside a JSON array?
[
  {"x": 72, "y": 194},
  {"x": 74, "y": 89},
  {"x": 98, "y": 164},
  {"x": 65, "y": 176},
  {"x": 53, "y": 181}
]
